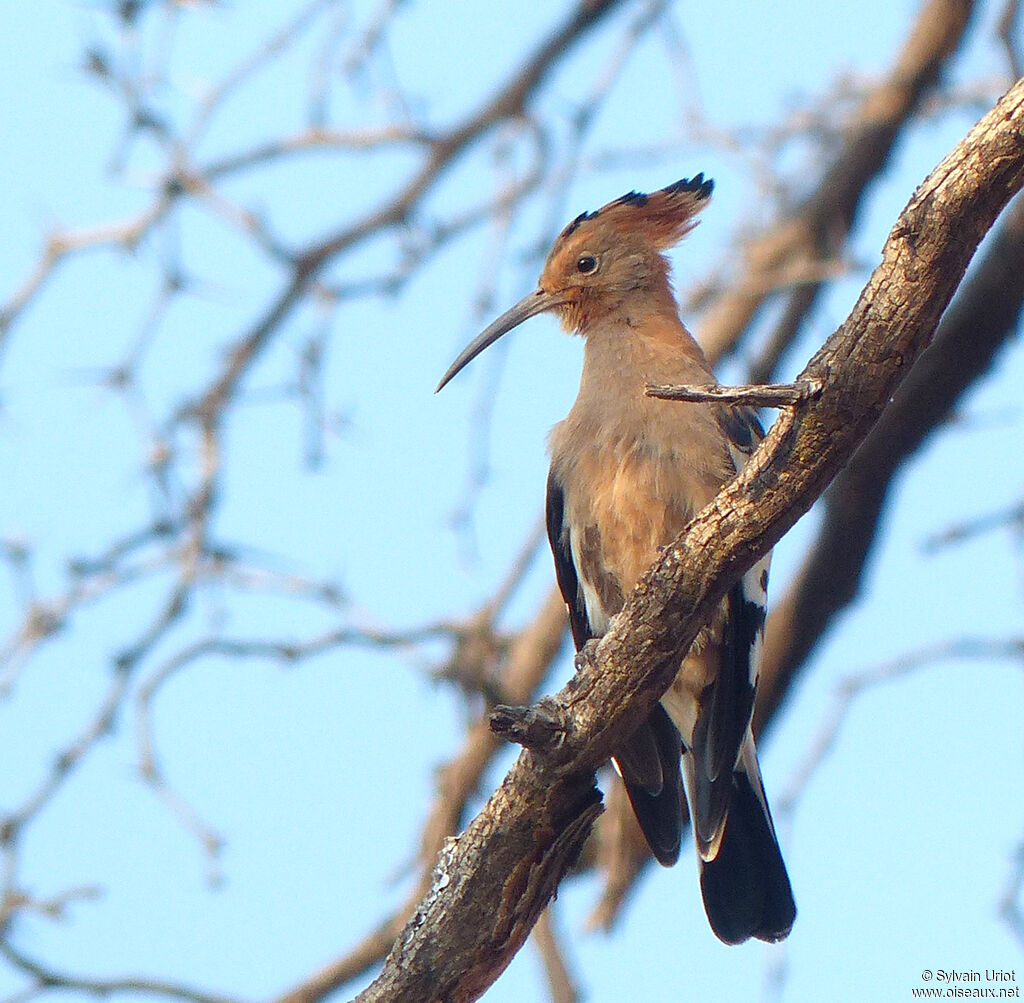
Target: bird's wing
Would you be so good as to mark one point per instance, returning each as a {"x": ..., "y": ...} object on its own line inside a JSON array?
[
  {"x": 726, "y": 711},
  {"x": 748, "y": 600},
  {"x": 639, "y": 759},
  {"x": 648, "y": 761},
  {"x": 565, "y": 568}
]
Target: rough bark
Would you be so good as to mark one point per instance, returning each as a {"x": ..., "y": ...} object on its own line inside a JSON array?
[{"x": 981, "y": 319}]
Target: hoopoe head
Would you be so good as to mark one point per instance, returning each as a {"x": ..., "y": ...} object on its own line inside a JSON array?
[{"x": 603, "y": 259}]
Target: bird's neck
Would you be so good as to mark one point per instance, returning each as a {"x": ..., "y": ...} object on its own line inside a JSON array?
[
  {"x": 634, "y": 347},
  {"x": 615, "y": 428}
]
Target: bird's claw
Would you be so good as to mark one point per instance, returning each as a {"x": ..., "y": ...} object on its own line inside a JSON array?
[{"x": 587, "y": 655}]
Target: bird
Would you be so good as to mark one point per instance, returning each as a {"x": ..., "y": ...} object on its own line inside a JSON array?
[{"x": 627, "y": 473}]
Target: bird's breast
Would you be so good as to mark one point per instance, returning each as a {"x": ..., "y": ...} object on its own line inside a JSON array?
[{"x": 626, "y": 497}]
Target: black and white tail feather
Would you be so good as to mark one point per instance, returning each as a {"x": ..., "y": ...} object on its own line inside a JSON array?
[{"x": 743, "y": 878}]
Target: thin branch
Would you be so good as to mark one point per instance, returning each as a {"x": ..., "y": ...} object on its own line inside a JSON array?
[
  {"x": 282, "y": 39},
  {"x": 850, "y": 689},
  {"x": 62, "y": 244},
  {"x": 284, "y": 652},
  {"x": 776, "y": 395},
  {"x": 560, "y": 979},
  {"x": 317, "y": 140},
  {"x": 68, "y": 759},
  {"x": 1008, "y": 22},
  {"x": 1011, "y": 518},
  {"x": 1010, "y": 902},
  {"x": 45, "y": 978},
  {"x": 815, "y": 231}
]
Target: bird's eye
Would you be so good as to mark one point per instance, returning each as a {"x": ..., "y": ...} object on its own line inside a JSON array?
[{"x": 586, "y": 264}]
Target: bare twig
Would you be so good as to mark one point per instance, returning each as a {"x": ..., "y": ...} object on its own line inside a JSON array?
[
  {"x": 529, "y": 660},
  {"x": 45, "y": 978},
  {"x": 816, "y": 231},
  {"x": 560, "y": 981},
  {"x": 1010, "y": 904},
  {"x": 849, "y": 689},
  {"x": 763, "y": 395},
  {"x": 1011, "y": 518},
  {"x": 1008, "y": 22}
]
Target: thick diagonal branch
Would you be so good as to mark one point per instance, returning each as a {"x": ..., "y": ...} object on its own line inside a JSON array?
[{"x": 978, "y": 323}]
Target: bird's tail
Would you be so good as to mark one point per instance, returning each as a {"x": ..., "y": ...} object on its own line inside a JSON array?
[{"x": 744, "y": 883}]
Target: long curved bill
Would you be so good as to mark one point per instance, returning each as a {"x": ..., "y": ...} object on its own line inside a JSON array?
[{"x": 529, "y": 306}]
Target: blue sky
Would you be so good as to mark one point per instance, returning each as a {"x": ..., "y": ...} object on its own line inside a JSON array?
[{"x": 318, "y": 776}]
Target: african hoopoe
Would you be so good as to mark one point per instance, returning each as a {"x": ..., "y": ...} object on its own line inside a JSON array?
[{"x": 627, "y": 473}]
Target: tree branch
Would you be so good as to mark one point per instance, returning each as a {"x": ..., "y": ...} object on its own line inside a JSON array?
[
  {"x": 978, "y": 323},
  {"x": 529, "y": 659},
  {"x": 492, "y": 881}
]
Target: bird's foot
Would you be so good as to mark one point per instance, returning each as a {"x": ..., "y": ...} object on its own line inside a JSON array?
[{"x": 587, "y": 655}]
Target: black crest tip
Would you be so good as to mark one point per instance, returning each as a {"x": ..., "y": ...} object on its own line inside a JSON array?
[
  {"x": 695, "y": 185},
  {"x": 581, "y": 218},
  {"x": 634, "y": 198}
]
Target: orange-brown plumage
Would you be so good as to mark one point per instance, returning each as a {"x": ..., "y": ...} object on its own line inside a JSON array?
[
  {"x": 624, "y": 239},
  {"x": 627, "y": 473}
]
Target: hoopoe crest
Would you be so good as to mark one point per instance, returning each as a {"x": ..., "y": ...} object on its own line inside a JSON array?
[{"x": 628, "y": 472}]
